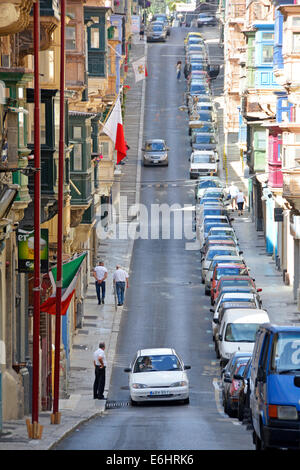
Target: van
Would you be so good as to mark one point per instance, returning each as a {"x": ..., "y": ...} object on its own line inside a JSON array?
[
  {"x": 275, "y": 387},
  {"x": 237, "y": 331}
]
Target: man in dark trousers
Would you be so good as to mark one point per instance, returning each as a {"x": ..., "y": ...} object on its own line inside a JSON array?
[{"x": 100, "y": 366}]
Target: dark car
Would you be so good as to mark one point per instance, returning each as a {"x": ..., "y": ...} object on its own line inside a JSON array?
[
  {"x": 244, "y": 391},
  {"x": 230, "y": 385},
  {"x": 155, "y": 152},
  {"x": 206, "y": 19},
  {"x": 204, "y": 141}
]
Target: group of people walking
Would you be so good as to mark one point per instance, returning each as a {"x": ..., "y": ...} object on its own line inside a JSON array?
[
  {"x": 120, "y": 281},
  {"x": 237, "y": 198}
]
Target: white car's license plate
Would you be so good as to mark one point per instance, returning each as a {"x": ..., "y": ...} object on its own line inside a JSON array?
[{"x": 160, "y": 392}]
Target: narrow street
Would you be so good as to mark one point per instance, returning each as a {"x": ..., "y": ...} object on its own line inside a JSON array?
[{"x": 165, "y": 304}]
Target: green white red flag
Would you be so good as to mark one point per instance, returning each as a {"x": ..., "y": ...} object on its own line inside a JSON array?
[{"x": 70, "y": 273}]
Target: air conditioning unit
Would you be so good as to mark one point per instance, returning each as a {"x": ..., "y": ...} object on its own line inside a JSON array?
[{"x": 5, "y": 61}]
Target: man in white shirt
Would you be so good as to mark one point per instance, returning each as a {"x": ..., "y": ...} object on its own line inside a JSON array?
[
  {"x": 100, "y": 366},
  {"x": 120, "y": 279},
  {"x": 233, "y": 191},
  {"x": 100, "y": 274}
]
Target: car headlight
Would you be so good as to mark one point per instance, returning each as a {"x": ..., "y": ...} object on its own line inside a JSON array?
[
  {"x": 139, "y": 386},
  {"x": 183, "y": 383},
  {"x": 283, "y": 412}
]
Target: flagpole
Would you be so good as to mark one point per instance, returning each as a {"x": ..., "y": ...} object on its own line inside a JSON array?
[
  {"x": 34, "y": 429},
  {"x": 55, "y": 417}
]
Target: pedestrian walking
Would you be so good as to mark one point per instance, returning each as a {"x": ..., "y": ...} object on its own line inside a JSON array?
[
  {"x": 100, "y": 275},
  {"x": 142, "y": 31},
  {"x": 186, "y": 70},
  {"x": 120, "y": 279},
  {"x": 100, "y": 367},
  {"x": 233, "y": 191},
  {"x": 178, "y": 70},
  {"x": 240, "y": 199}
]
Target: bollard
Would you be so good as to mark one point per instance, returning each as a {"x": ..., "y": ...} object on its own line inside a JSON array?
[
  {"x": 0, "y": 402},
  {"x": 26, "y": 386},
  {"x": 29, "y": 368}
]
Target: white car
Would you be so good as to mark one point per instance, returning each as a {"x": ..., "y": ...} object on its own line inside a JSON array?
[
  {"x": 237, "y": 331},
  {"x": 208, "y": 222},
  {"x": 203, "y": 163},
  {"x": 158, "y": 374},
  {"x": 242, "y": 298}
]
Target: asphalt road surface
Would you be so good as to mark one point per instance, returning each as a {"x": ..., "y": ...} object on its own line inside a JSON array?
[{"x": 166, "y": 305}]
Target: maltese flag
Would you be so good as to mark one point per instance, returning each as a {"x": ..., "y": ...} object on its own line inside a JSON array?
[
  {"x": 140, "y": 69},
  {"x": 114, "y": 129}
]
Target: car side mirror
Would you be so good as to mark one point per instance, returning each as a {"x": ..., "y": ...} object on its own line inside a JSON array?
[
  {"x": 220, "y": 337},
  {"x": 167, "y": 148},
  {"x": 211, "y": 310},
  {"x": 241, "y": 252},
  {"x": 253, "y": 279},
  {"x": 128, "y": 369},
  {"x": 187, "y": 367},
  {"x": 227, "y": 379},
  {"x": 216, "y": 321},
  {"x": 259, "y": 290}
]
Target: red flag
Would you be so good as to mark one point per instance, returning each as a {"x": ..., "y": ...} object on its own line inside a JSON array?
[
  {"x": 120, "y": 145},
  {"x": 146, "y": 71}
]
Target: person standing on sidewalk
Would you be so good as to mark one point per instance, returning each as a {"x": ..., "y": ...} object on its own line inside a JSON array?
[
  {"x": 100, "y": 274},
  {"x": 100, "y": 366},
  {"x": 178, "y": 70},
  {"x": 120, "y": 279},
  {"x": 240, "y": 200}
]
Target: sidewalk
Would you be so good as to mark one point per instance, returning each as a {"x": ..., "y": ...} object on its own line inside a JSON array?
[
  {"x": 101, "y": 322},
  {"x": 277, "y": 298}
]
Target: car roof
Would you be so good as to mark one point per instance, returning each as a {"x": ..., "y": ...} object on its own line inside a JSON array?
[
  {"x": 227, "y": 265},
  {"x": 238, "y": 295},
  {"x": 154, "y": 140},
  {"x": 155, "y": 351},
  {"x": 246, "y": 315},
  {"x": 282, "y": 327},
  {"x": 236, "y": 278}
]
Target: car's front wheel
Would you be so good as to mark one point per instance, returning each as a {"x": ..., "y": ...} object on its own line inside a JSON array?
[
  {"x": 186, "y": 401},
  {"x": 133, "y": 402}
]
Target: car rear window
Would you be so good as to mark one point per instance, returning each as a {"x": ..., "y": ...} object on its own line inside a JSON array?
[{"x": 234, "y": 282}]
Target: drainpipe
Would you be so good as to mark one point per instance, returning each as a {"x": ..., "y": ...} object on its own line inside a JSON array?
[{"x": 55, "y": 417}]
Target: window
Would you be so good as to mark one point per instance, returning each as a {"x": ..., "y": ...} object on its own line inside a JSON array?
[
  {"x": 296, "y": 21},
  {"x": 267, "y": 54},
  {"x": 95, "y": 38},
  {"x": 268, "y": 36},
  {"x": 77, "y": 157},
  {"x": 70, "y": 38},
  {"x": 296, "y": 42},
  {"x": 77, "y": 132},
  {"x": 104, "y": 150}
]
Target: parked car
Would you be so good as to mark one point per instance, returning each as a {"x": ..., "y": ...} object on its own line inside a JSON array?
[
  {"x": 227, "y": 269},
  {"x": 244, "y": 391},
  {"x": 217, "y": 260},
  {"x": 238, "y": 330},
  {"x": 210, "y": 209},
  {"x": 249, "y": 289},
  {"x": 203, "y": 231},
  {"x": 229, "y": 231},
  {"x": 158, "y": 374},
  {"x": 208, "y": 182},
  {"x": 230, "y": 384},
  {"x": 219, "y": 314},
  {"x": 275, "y": 387},
  {"x": 206, "y": 19},
  {"x": 216, "y": 250},
  {"x": 202, "y": 163},
  {"x": 204, "y": 142},
  {"x": 155, "y": 152},
  {"x": 234, "y": 281}
]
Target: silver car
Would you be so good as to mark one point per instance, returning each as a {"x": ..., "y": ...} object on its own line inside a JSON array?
[{"x": 155, "y": 153}]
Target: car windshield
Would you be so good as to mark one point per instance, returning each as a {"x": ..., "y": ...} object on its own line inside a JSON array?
[
  {"x": 198, "y": 88},
  {"x": 214, "y": 212},
  {"x": 205, "y": 200},
  {"x": 198, "y": 66},
  {"x": 229, "y": 233},
  {"x": 230, "y": 272},
  {"x": 157, "y": 27},
  {"x": 155, "y": 146},
  {"x": 204, "y": 128},
  {"x": 202, "y": 159},
  {"x": 209, "y": 184},
  {"x": 205, "y": 116},
  {"x": 285, "y": 356},
  {"x": 209, "y": 225},
  {"x": 204, "y": 139},
  {"x": 212, "y": 253},
  {"x": 156, "y": 363},
  {"x": 234, "y": 282},
  {"x": 241, "y": 332}
]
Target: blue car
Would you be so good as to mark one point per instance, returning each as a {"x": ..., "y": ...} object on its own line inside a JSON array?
[{"x": 275, "y": 387}]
